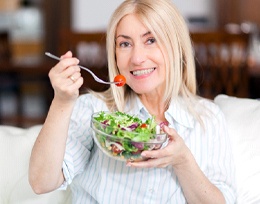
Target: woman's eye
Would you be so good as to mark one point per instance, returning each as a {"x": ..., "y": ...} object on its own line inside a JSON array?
[
  {"x": 151, "y": 41},
  {"x": 124, "y": 44}
]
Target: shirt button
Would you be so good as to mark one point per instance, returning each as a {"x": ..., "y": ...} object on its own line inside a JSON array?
[{"x": 151, "y": 190}]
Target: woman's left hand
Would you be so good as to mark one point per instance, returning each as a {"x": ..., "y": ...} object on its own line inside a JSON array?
[{"x": 176, "y": 153}]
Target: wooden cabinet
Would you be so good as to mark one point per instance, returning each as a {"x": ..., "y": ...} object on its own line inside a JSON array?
[
  {"x": 25, "y": 89},
  {"x": 25, "y": 94},
  {"x": 237, "y": 11}
]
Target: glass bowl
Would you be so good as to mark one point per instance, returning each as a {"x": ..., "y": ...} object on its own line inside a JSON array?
[{"x": 122, "y": 144}]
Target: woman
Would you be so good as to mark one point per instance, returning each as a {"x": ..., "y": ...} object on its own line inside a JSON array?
[{"x": 148, "y": 42}]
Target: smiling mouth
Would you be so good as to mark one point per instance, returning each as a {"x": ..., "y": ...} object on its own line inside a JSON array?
[{"x": 142, "y": 72}]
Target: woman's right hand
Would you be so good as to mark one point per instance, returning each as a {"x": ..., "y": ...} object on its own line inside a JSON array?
[{"x": 66, "y": 78}]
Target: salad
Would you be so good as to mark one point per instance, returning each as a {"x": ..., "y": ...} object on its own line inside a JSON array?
[{"x": 126, "y": 136}]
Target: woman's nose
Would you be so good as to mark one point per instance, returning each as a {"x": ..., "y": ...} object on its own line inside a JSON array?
[{"x": 138, "y": 55}]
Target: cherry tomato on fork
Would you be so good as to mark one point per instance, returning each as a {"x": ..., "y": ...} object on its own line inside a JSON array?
[{"x": 121, "y": 79}]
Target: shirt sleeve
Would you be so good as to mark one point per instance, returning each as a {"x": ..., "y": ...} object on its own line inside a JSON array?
[
  {"x": 221, "y": 169},
  {"x": 79, "y": 142}
]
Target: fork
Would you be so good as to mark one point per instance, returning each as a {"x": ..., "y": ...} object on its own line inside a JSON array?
[{"x": 86, "y": 69}]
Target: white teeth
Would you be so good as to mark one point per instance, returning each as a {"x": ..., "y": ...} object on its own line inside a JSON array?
[{"x": 141, "y": 72}]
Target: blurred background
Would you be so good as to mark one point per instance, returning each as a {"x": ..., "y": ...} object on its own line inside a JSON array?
[{"x": 225, "y": 35}]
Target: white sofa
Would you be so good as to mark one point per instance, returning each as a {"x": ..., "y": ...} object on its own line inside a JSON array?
[
  {"x": 15, "y": 149},
  {"x": 243, "y": 118}
]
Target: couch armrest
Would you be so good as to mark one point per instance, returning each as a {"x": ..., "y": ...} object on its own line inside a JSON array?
[
  {"x": 15, "y": 149},
  {"x": 243, "y": 119}
]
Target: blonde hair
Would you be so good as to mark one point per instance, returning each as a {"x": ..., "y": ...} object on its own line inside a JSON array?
[{"x": 170, "y": 30}]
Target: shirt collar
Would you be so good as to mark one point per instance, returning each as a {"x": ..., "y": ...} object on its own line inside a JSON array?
[
  {"x": 179, "y": 113},
  {"x": 138, "y": 109},
  {"x": 176, "y": 113}
]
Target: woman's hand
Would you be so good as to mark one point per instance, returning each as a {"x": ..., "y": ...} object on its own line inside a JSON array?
[
  {"x": 196, "y": 186},
  {"x": 176, "y": 153},
  {"x": 66, "y": 78}
]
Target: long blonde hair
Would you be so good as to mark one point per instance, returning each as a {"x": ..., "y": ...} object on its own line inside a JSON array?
[{"x": 170, "y": 30}]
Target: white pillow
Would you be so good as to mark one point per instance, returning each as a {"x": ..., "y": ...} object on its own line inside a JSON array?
[
  {"x": 15, "y": 149},
  {"x": 243, "y": 119}
]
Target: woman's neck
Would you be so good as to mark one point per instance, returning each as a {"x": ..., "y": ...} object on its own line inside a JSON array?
[{"x": 155, "y": 106}]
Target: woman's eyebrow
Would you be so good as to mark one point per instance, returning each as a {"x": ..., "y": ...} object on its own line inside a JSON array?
[
  {"x": 123, "y": 36},
  {"x": 127, "y": 37},
  {"x": 147, "y": 33}
]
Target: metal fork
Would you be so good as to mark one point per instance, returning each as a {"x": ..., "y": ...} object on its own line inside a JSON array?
[{"x": 88, "y": 70}]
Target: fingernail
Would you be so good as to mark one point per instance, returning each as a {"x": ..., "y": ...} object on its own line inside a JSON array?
[
  {"x": 166, "y": 127},
  {"x": 143, "y": 154}
]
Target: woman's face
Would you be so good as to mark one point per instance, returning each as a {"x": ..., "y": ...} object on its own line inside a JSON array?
[{"x": 139, "y": 57}]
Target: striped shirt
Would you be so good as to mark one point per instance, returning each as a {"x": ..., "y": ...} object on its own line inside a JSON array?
[{"x": 97, "y": 178}]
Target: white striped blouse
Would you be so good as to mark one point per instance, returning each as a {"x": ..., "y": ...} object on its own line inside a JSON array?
[{"x": 97, "y": 178}]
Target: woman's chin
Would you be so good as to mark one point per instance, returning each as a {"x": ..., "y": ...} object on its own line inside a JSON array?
[{"x": 143, "y": 89}]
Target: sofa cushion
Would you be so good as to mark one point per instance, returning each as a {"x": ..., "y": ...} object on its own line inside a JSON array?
[
  {"x": 243, "y": 119},
  {"x": 15, "y": 149}
]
